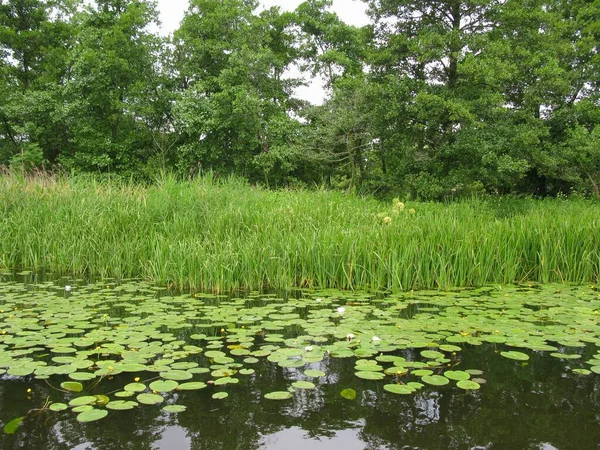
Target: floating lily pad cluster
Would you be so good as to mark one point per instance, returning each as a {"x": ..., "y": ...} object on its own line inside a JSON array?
[{"x": 160, "y": 346}]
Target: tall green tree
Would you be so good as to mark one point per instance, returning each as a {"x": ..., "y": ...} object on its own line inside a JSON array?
[
  {"x": 235, "y": 99},
  {"x": 35, "y": 37},
  {"x": 110, "y": 86}
]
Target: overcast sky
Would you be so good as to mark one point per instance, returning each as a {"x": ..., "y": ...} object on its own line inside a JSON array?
[{"x": 350, "y": 11}]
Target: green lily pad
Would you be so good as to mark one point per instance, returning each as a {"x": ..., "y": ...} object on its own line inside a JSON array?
[
  {"x": 456, "y": 375},
  {"x": 121, "y": 405},
  {"x": 278, "y": 395},
  {"x": 565, "y": 355},
  {"x": 220, "y": 395},
  {"x": 71, "y": 386},
  {"x": 82, "y": 376},
  {"x": 13, "y": 425},
  {"x": 432, "y": 354},
  {"x": 92, "y": 415},
  {"x": 84, "y": 400},
  {"x": 191, "y": 386},
  {"x": 20, "y": 371},
  {"x": 174, "y": 408},
  {"x": 435, "y": 380},
  {"x": 226, "y": 380},
  {"x": 422, "y": 372},
  {"x": 348, "y": 394},
  {"x": 468, "y": 385},
  {"x": 303, "y": 385},
  {"x": 370, "y": 375},
  {"x": 135, "y": 387},
  {"x": 399, "y": 389},
  {"x": 517, "y": 356},
  {"x": 164, "y": 385},
  {"x": 150, "y": 399},
  {"x": 176, "y": 375},
  {"x": 57, "y": 407},
  {"x": 314, "y": 373}
]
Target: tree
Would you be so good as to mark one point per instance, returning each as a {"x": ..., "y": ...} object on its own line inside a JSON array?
[
  {"x": 35, "y": 36},
  {"x": 113, "y": 79},
  {"x": 235, "y": 101}
]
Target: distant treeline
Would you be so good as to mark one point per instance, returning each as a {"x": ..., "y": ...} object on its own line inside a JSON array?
[{"x": 433, "y": 99}]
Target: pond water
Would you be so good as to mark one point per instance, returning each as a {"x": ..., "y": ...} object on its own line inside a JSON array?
[{"x": 107, "y": 366}]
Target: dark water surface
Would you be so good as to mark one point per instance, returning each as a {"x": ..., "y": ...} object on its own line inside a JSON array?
[{"x": 539, "y": 404}]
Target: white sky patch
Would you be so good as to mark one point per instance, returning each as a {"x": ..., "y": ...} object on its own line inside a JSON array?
[{"x": 353, "y": 12}]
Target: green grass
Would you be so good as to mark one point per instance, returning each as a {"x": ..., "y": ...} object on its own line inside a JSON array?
[{"x": 218, "y": 235}]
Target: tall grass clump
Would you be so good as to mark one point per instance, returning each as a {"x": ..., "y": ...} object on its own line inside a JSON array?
[{"x": 209, "y": 234}]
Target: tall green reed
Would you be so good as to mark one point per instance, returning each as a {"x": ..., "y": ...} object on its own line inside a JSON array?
[{"x": 209, "y": 234}]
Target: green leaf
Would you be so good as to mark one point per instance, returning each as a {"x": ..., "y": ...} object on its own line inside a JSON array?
[
  {"x": 348, "y": 394},
  {"x": 72, "y": 386},
  {"x": 278, "y": 395},
  {"x": 468, "y": 385},
  {"x": 149, "y": 399},
  {"x": 435, "y": 380},
  {"x": 13, "y": 425},
  {"x": 92, "y": 415},
  {"x": 164, "y": 386},
  {"x": 220, "y": 395},
  {"x": 517, "y": 356},
  {"x": 174, "y": 408},
  {"x": 399, "y": 389},
  {"x": 121, "y": 405}
]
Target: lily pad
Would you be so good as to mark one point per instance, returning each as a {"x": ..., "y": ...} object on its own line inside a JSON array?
[
  {"x": 57, "y": 407},
  {"x": 121, "y": 405},
  {"x": 71, "y": 386},
  {"x": 348, "y": 394},
  {"x": 456, "y": 375},
  {"x": 13, "y": 425},
  {"x": 399, "y": 389},
  {"x": 435, "y": 380},
  {"x": 517, "y": 356},
  {"x": 150, "y": 399},
  {"x": 370, "y": 375},
  {"x": 278, "y": 395},
  {"x": 92, "y": 415},
  {"x": 303, "y": 385},
  {"x": 220, "y": 395},
  {"x": 191, "y": 386},
  {"x": 164, "y": 385},
  {"x": 468, "y": 385},
  {"x": 84, "y": 400},
  {"x": 174, "y": 408}
]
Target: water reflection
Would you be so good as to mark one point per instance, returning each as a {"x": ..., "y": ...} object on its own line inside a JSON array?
[
  {"x": 540, "y": 405},
  {"x": 295, "y": 438}
]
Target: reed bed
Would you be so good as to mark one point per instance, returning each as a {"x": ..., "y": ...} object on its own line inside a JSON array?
[{"x": 209, "y": 234}]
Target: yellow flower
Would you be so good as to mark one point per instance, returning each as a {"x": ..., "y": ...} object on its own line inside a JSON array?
[
  {"x": 29, "y": 390},
  {"x": 387, "y": 220},
  {"x": 136, "y": 379},
  {"x": 399, "y": 205}
]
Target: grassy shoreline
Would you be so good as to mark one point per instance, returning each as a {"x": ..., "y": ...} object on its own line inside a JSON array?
[{"x": 219, "y": 235}]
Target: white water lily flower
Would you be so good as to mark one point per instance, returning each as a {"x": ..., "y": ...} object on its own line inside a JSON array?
[
  {"x": 376, "y": 339},
  {"x": 318, "y": 300},
  {"x": 67, "y": 288},
  {"x": 341, "y": 310},
  {"x": 349, "y": 336},
  {"x": 308, "y": 348}
]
